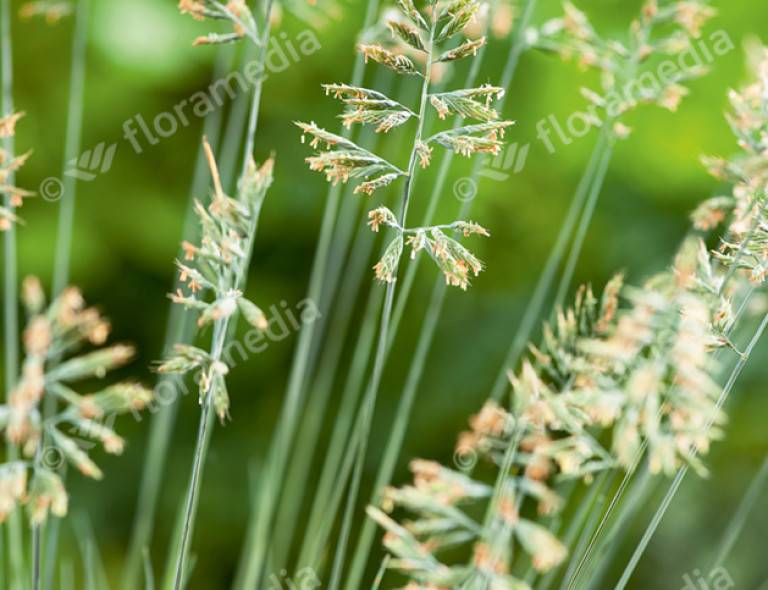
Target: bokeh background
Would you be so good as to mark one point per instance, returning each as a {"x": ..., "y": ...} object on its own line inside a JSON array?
[{"x": 129, "y": 222}]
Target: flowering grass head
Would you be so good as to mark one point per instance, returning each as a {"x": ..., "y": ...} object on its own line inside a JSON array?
[
  {"x": 663, "y": 30},
  {"x": 54, "y": 364},
  {"x": 211, "y": 273},
  {"x": 421, "y": 41}
]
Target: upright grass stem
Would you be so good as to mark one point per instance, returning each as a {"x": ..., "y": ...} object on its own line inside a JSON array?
[
  {"x": 547, "y": 277},
  {"x": 225, "y": 327},
  {"x": 203, "y": 435},
  {"x": 252, "y": 560},
  {"x": 434, "y": 309},
  {"x": 178, "y": 329},
  {"x": 369, "y": 403},
  {"x": 10, "y": 291},
  {"x": 73, "y": 142},
  {"x": 63, "y": 251}
]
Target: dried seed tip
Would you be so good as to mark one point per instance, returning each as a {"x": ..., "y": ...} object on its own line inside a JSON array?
[
  {"x": 545, "y": 550},
  {"x": 38, "y": 336},
  {"x": 213, "y": 167},
  {"x": 253, "y": 314},
  {"x": 468, "y": 228},
  {"x": 52, "y": 11},
  {"x": 8, "y": 124},
  {"x": 460, "y": 13},
  {"x": 424, "y": 152}
]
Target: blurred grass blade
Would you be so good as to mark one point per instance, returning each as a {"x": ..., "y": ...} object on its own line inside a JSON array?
[
  {"x": 16, "y": 570},
  {"x": 739, "y": 519}
]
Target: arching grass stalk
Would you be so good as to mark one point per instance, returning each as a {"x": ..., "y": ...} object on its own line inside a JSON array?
[
  {"x": 252, "y": 560},
  {"x": 330, "y": 488},
  {"x": 434, "y": 309},
  {"x": 321, "y": 386},
  {"x": 216, "y": 271},
  {"x": 178, "y": 329}
]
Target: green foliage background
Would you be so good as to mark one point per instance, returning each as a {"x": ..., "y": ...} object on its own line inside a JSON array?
[{"x": 129, "y": 221}]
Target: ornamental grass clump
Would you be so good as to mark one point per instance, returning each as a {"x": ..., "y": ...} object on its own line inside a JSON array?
[
  {"x": 212, "y": 272},
  {"x": 634, "y": 374},
  {"x": 425, "y": 35},
  {"x": 55, "y": 361}
]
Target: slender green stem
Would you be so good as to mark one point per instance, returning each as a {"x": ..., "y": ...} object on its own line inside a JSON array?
[
  {"x": 62, "y": 253},
  {"x": 581, "y": 232},
  {"x": 178, "y": 330},
  {"x": 434, "y": 309},
  {"x": 683, "y": 471},
  {"x": 547, "y": 277},
  {"x": 330, "y": 488},
  {"x": 577, "y": 523},
  {"x": 10, "y": 289},
  {"x": 253, "y": 117},
  {"x": 739, "y": 519},
  {"x": 36, "y": 543},
  {"x": 71, "y": 150},
  {"x": 360, "y": 446},
  {"x": 369, "y": 403},
  {"x": 252, "y": 560},
  {"x": 203, "y": 434}
]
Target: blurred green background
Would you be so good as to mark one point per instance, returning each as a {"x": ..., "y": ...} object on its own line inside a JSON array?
[{"x": 129, "y": 222}]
